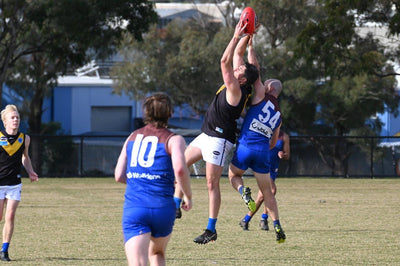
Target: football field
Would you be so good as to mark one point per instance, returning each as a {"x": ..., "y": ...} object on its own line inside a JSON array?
[{"x": 76, "y": 221}]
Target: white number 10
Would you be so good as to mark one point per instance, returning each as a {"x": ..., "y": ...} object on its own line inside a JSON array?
[{"x": 139, "y": 149}]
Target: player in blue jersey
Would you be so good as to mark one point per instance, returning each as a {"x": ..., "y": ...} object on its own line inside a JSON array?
[
  {"x": 14, "y": 146},
  {"x": 280, "y": 151},
  {"x": 260, "y": 129},
  {"x": 151, "y": 159},
  {"x": 219, "y": 126}
]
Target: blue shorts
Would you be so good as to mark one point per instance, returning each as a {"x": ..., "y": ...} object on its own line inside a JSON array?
[
  {"x": 274, "y": 162},
  {"x": 140, "y": 220},
  {"x": 274, "y": 173},
  {"x": 245, "y": 158}
]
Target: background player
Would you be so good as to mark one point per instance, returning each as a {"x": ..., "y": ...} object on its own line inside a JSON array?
[{"x": 14, "y": 153}]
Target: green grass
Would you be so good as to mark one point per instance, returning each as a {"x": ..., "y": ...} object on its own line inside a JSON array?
[{"x": 76, "y": 221}]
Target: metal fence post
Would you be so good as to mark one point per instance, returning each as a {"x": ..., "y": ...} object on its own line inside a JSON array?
[
  {"x": 81, "y": 157},
  {"x": 372, "y": 158}
]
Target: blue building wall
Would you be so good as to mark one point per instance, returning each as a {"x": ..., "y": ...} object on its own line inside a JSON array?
[
  {"x": 62, "y": 108},
  {"x": 391, "y": 125},
  {"x": 72, "y": 106}
]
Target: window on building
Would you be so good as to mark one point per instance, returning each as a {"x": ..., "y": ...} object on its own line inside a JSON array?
[{"x": 111, "y": 118}]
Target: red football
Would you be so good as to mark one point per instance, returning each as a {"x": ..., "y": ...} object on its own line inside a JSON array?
[{"x": 249, "y": 16}]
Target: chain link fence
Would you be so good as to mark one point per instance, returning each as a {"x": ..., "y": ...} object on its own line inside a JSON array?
[{"x": 311, "y": 156}]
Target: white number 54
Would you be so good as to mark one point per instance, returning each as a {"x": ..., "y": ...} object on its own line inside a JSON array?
[{"x": 267, "y": 118}]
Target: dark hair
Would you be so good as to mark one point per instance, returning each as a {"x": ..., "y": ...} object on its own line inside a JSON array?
[
  {"x": 251, "y": 73},
  {"x": 157, "y": 109}
]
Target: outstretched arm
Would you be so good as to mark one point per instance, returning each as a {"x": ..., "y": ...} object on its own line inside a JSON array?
[
  {"x": 230, "y": 81},
  {"x": 239, "y": 52},
  {"x": 251, "y": 57},
  {"x": 259, "y": 89}
]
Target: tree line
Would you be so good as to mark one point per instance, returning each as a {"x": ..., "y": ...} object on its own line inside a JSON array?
[
  {"x": 43, "y": 39},
  {"x": 335, "y": 77}
]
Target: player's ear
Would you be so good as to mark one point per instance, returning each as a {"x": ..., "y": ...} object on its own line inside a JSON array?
[{"x": 242, "y": 80}]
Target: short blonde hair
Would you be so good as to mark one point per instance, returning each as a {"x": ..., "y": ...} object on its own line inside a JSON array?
[{"x": 9, "y": 108}]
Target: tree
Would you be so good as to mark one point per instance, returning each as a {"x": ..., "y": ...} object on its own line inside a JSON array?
[
  {"x": 335, "y": 79},
  {"x": 67, "y": 27},
  {"x": 181, "y": 60},
  {"x": 353, "y": 77},
  {"x": 42, "y": 39}
]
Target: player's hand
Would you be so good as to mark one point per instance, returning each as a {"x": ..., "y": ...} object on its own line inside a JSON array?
[
  {"x": 187, "y": 204},
  {"x": 250, "y": 42},
  {"x": 33, "y": 177},
  {"x": 239, "y": 29},
  {"x": 282, "y": 155}
]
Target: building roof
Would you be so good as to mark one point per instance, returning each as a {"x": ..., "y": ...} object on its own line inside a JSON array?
[
  {"x": 65, "y": 81},
  {"x": 165, "y": 10}
]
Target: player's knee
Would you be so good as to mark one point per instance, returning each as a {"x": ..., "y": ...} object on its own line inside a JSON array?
[
  {"x": 10, "y": 217},
  {"x": 212, "y": 184}
]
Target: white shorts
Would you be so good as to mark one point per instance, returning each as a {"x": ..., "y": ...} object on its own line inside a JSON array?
[
  {"x": 11, "y": 192},
  {"x": 214, "y": 150}
]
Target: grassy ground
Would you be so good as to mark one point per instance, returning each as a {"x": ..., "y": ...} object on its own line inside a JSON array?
[{"x": 76, "y": 221}]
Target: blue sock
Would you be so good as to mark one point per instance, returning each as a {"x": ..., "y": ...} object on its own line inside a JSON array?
[
  {"x": 211, "y": 224},
  {"x": 247, "y": 218},
  {"x": 177, "y": 202},
  {"x": 277, "y": 222},
  {"x": 240, "y": 190},
  {"x": 264, "y": 216},
  {"x": 5, "y": 246}
]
